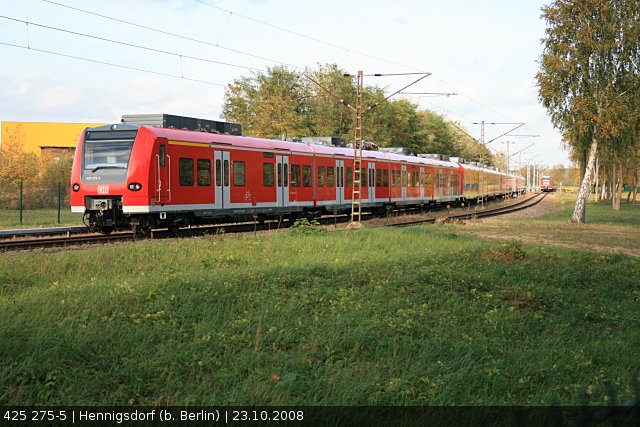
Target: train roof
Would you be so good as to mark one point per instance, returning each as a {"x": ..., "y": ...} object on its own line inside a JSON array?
[
  {"x": 274, "y": 144},
  {"x": 302, "y": 147}
]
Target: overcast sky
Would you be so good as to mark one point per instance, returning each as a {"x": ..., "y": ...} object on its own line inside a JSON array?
[{"x": 485, "y": 51}]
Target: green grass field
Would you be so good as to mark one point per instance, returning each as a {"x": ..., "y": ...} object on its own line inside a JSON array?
[
  {"x": 597, "y": 212},
  {"x": 35, "y": 218},
  {"x": 415, "y": 316}
]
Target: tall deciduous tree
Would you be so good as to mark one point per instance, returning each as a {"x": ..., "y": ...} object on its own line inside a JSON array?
[{"x": 587, "y": 68}]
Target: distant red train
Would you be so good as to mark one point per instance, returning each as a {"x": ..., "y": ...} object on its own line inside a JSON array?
[
  {"x": 546, "y": 184},
  {"x": 128, "y": 176}
]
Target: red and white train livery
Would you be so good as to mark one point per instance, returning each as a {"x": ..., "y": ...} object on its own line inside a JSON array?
[{"x": 127, "y": 176}]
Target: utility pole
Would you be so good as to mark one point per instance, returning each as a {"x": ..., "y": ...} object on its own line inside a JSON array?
[
  {"x": 482, "y": 126},
  {"x": 359, "y": 110}
]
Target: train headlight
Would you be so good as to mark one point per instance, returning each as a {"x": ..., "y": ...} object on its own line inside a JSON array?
[
  {"x": 76, "y": 187},
  {"x": 134, "y": 186}
]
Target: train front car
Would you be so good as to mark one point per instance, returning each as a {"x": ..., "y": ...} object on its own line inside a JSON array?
[{"x": 106, "y": 176}]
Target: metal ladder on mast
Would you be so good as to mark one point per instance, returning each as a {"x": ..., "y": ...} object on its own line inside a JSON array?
[{"x": 356, "y": 194}]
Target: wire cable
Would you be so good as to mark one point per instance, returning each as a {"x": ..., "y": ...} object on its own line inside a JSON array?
[
  {"x": 110, "y": 64},
  {"x": 122, "y": 21},
  {"x": 273, "y": 60},
  {"x": 75, "y": 33}
]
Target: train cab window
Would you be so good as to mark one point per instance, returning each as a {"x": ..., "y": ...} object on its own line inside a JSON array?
[
  {"x": 331, "y": 180},
  {"x": 267, "y": 174},
  {"x": 186, "y": 171},
  {"x": 163, "y": 155},
  {"x": 306, "y": 176},
  {"x": 349, "y": 177},
  {"x": 378, "y": 177},
  {"x": 322, "y": 176},
  {"x": 385, "y": 178},
  {"x": 204, "y": 172},
  {"x": 238, "y": 174},
  {"x": 295, "y": 175},
  {"x": 218, "y": 173},
  {"x": 226, "y": 173}
]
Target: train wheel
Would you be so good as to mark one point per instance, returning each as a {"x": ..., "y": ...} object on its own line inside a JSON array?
[{"x": 106, "y": 230}]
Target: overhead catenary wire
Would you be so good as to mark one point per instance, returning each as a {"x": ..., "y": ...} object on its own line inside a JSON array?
[
  {"x": 95, "y": 61},
  {"x": 168, "y": 33},
  {"x": 151, "y": 49},
  {"x": 298, "y": 34}
]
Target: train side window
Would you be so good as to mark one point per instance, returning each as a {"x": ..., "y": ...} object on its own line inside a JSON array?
[
  {"x": 218, "y": 173},
  {"x": 385, "y": 178},
  {"x": 204, "y": 172},
  {"x": 238, "y": 174},
  {"x": 349, "y": 177},
  {"x": 363, "y": 177},
  {"x": 267, "y": 174},
  {"x": 306, "y": 176},
  {"x": 378, "y": 177},
  {"x": 295, "y": 175},
  {"x": 286, "y": 174},
  {"x": 186, "y": 172},
  {"x": 226, "y": 173},
  {"x": 331, "y": 181},
  {"x": 322, "y": 174},
  {"x": 163, "y": 155}
]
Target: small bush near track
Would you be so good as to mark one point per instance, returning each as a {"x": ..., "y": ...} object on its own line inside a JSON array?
[
  {"x": 305, "y": 226},
  {"x": 412, "y": 316}
]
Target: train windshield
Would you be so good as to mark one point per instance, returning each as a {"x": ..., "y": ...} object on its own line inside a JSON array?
[{"x": 108, "y": 150}]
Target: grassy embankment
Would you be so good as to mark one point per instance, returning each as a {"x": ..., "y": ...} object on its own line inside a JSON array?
[
  {"x": 35, "y": 218},
  {"x": 605, "y": 230},
  {"x": 415, "y": 316}
]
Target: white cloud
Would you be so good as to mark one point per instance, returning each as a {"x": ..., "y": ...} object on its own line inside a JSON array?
[{"x": 58, "y": 97}]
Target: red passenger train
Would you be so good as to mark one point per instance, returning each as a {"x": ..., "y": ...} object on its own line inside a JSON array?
[
  {"x": 546, "y": 184},
  {"x": 128, "y": 176}
]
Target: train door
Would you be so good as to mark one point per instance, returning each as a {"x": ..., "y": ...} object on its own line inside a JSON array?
[
  {"x": 421, "y": 183},
  {"x": 403, "y": 182},
  {"x": 222, "y": 189},
  {"x": 440, "y": 184},
  {"x": 339, "y": 182},
  {"x": 163, "y": 173},
  {"x": 282, "y": 174},
  {"x": 372, "y": 181},
  {"x": 450, "y": 186}
]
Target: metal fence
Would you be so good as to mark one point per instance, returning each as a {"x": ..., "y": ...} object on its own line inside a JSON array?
[{"x": 19, "y": 201}]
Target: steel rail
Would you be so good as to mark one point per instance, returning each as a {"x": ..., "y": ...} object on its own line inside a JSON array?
[{"x": 219, "y": 229}]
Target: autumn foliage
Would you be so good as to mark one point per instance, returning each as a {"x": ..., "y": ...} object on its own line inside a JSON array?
[{"x": 39, "y": 176}]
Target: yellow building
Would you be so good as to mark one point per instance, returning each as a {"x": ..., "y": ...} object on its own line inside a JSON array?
[{"x": 42, "y": 137}]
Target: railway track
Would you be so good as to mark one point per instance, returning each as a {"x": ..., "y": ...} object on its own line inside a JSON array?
[
  {"x": 56, "y": 242},
  {"x": 518, "y": 206}
]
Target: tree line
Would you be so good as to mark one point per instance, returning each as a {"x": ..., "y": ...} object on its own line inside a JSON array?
[
  {"x": 282, "y": 103},
  {"x": 589, "y": 81}
]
